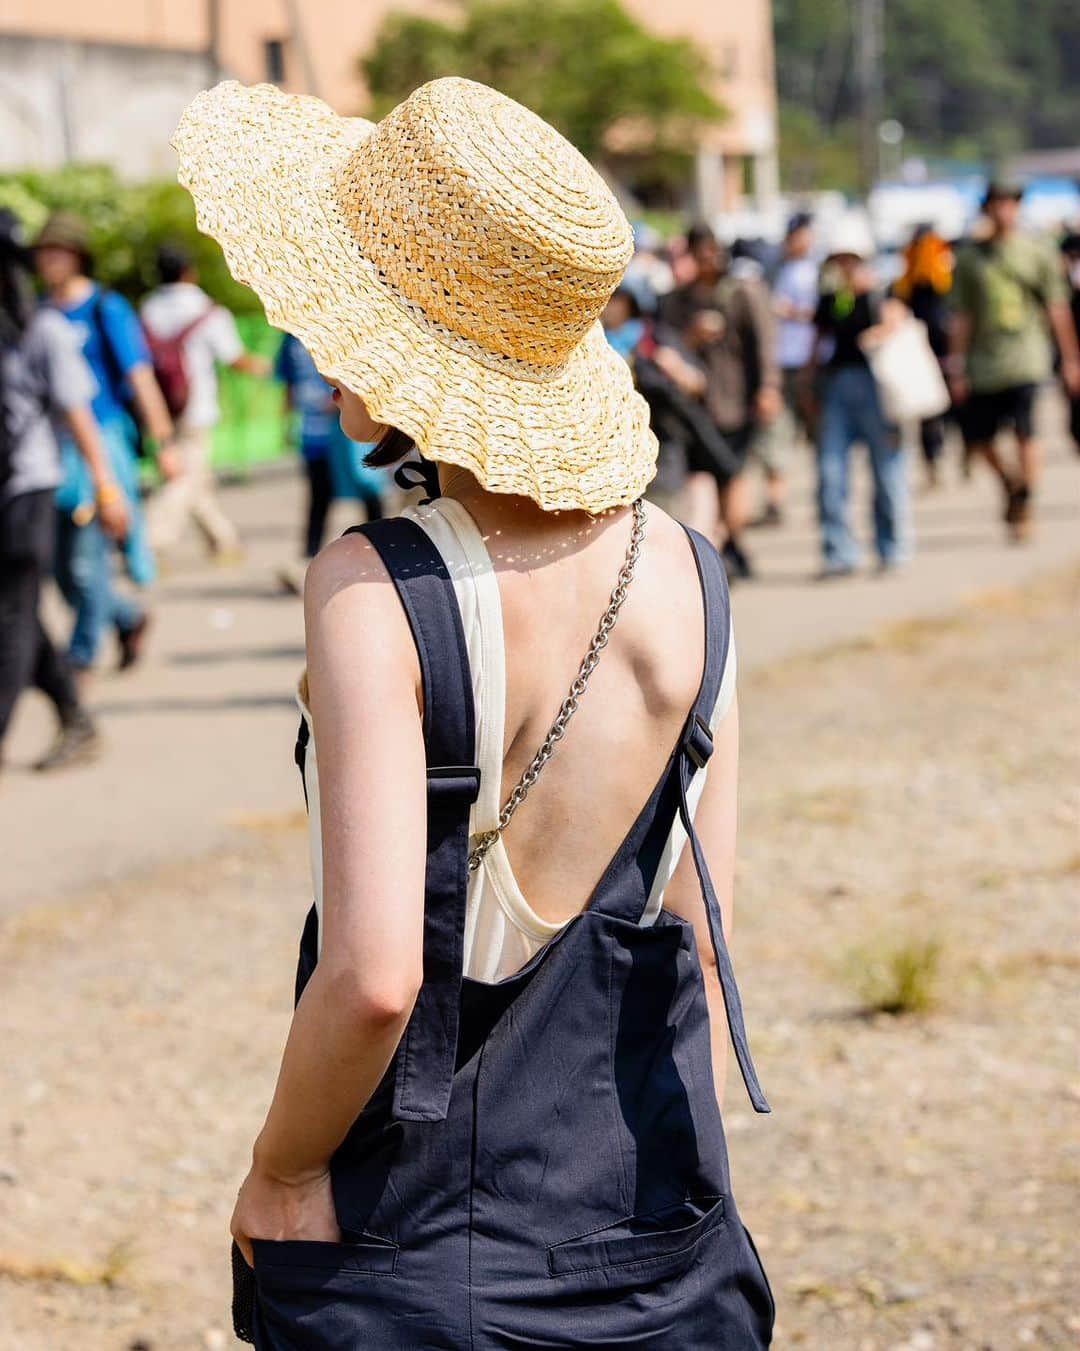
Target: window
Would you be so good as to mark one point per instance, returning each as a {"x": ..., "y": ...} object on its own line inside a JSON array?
[{"x": 274, "y": 60}]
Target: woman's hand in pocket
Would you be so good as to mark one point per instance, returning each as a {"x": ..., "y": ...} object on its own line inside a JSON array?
[{"x": 276, "y": 1208}]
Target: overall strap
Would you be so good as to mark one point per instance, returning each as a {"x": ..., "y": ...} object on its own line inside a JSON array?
[
  {"x": 427, "y": 1053},
  {"x": 694, "y": 752}
]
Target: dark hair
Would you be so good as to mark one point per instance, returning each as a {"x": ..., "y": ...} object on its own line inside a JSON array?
[
  {"x": 699, "y": 233},
  {"x": 633, "y": 300},
  {"x": 16, "y": 287},
  {"x": 801, "y": 220},
  {"x": 392, "y": 446},
  {"x": 173, "y": 260}
]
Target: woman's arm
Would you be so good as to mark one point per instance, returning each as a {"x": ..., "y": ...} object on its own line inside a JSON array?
[
  {"x": 716, "y": 822},
  {"x": 364, "y": 682}
]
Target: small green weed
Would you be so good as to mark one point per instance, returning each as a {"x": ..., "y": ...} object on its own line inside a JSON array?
[{"x": 896, "y": 977}]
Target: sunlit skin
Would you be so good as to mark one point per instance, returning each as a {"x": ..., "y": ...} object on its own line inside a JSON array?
[{"x": 356, "y": 422}]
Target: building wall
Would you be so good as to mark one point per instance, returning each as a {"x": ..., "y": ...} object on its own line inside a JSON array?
[
  {"x": 322, "y": 49},
  {"x": 64, "y": 100}
]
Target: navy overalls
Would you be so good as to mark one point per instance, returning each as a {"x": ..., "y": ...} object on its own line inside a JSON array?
[{"x": 543, "y": 1165}]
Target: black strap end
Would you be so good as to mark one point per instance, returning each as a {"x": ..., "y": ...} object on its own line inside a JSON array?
[
  {"x": 453, "y": 785},
  {"x": 698, "y": 741}
]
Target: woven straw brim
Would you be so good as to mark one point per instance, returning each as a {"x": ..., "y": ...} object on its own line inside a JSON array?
[{"x": 262, "y": 168}]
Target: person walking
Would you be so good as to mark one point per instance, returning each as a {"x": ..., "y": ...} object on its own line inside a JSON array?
[
  {"x": 726, "y": 321},
  {"x": 497, "y": 1118},
  {"x": 1070, "y": 250},
  {"x": 924, "y": 287},
  {"x": 794, "y": 304},
  {"x": 114, "y": 348},
  {"x": 1008, "y": 297},
  {"x": 180, "y": 313},
  {"x": 44, "y": 381},
  {"x": 849, "y": 309},
  {"x": 324, "y": 450},
  {"x": 309, "y": 396}
]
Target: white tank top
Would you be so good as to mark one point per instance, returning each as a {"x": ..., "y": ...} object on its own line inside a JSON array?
[{"x": 502, "y": 931}]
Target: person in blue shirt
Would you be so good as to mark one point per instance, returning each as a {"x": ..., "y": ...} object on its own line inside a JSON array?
[
  {"x": 308, "y": 395},
  {"x": 333, "y": 463},
  {"x": 116, "y": 352}
]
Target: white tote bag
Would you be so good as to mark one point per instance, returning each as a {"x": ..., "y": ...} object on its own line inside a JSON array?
[{"x": 907, "y": 373}]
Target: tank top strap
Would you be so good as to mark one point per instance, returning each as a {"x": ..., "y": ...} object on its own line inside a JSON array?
[
  {"x": 424, "y": 1067},
  {"x": 695, "y": 749}
]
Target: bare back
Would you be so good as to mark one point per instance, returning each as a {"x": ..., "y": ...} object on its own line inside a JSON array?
[{"x": 555, "y": 575}]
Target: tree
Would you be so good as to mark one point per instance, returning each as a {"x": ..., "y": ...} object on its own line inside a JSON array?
[
  {"x": 586, "y": 66},
  {"x": 127, "y": 221},
  {"x": 974, "y": 78}
]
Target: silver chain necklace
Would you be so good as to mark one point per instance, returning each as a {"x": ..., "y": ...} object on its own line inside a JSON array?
[{"x": 569, "y": 706}]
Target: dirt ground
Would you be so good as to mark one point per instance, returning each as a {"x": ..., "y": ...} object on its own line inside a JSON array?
[{"x": 910, "y": 838}]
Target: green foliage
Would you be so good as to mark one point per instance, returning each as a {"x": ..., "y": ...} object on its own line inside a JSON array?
[
  {"x": 983, "y": 77},
  {"x": 810, "y": 159},
  {"x": 584, "y": 65},
  {"x": 127, "y": 223}
]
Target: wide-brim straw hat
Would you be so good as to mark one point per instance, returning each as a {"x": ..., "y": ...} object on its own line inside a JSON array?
[{"x": 448, "y": 264}]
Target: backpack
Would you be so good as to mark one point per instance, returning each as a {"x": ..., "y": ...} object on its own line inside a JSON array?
[{"x": 170, "y": 362}]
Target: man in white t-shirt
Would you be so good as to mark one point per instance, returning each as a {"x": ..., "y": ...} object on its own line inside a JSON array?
[{"x": 180, "y": 305}]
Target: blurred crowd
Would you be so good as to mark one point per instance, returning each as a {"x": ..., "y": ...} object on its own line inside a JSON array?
[
  {"x": 746, "y": 354},
  {"x": 108, "y": 414}
]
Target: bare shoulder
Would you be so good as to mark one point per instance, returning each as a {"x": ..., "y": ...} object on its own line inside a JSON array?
[
  {"x": 669, "y": 538},
  {"x": 352, "y": 614}
]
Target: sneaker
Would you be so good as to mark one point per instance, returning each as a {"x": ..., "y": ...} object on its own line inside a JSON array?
[
  {"x": 738, "y": 565},
  {"x": 832, "y": 571},
  {"x": 131, "y": 643},
  {"x": 76, "y": 743}
]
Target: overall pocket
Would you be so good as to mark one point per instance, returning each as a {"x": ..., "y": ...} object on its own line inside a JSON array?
[
  {"x": 305, "y": 1263},
  {"x": 653, "y": 1246}
]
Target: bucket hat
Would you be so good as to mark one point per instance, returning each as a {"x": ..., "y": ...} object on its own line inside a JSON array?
[
  {"x": 448, "y": 264},
  {"x": 64, "y": 230}
]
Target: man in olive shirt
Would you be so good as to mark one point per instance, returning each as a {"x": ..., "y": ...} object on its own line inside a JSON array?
[
  {"x": 1008, "y": 296},
  {"x": 727, "y": 322}
]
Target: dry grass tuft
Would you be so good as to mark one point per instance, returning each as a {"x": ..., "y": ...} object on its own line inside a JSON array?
[
  {"x": 899, "y": 977},
  {"x": 68, "y": 1271}
]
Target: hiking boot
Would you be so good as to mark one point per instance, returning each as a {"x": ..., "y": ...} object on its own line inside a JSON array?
[
  {"x": 131, "y": 643},
  {"x": 738, "y": 565},
  {"x": 1018, "y": 510},
  {"x": 76, "y": 743}
]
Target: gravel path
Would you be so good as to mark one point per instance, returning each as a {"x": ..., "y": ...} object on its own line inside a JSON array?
[{"x": 911, "y": 796}]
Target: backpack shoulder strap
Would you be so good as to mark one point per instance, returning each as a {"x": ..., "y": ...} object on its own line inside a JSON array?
[
  {"x": 695, "y": 750},
  {"x": 196, "y": 323},
  {"x": 104, "y": 337},
  {"x": 427, "y": 1053}
]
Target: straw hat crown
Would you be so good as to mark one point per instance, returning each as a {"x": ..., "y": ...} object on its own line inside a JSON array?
[
  {"x": 479, "y": 213},
  {"x": 447, "y": 265}
]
